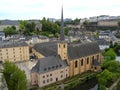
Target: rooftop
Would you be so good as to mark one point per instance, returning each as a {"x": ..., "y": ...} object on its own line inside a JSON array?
[
  {"x": 8, "y": 44},
  {"x": 48, "y": 64}
]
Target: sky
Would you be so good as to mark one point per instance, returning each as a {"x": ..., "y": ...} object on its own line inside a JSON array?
[{"x": 37, "y": 9}]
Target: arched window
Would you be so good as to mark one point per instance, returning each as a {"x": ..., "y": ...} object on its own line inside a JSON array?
[
  {"x": 97, "y": 57},
  {"x": 64, "y": 46},
  {"x": 87, "y": 60},
  {"x": 82, "y": 62},
  {"x": 92, "y": 57},
  {"x": 76, "y": 64}
]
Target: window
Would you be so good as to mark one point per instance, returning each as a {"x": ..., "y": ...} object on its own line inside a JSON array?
[
  {"x": 47, "y": 80},
  {"x": 57, "y": 66},
  {"x": 61, "y": 76},
  {"x": 0, "y": 50},
  {"x": 6, "y": 49},
  {"x": 47, "y": 75},
  {"x": 53, "y": 67},
  {"x": 88, "y": 60},
  {"x": 50, "y": 79},
  {"x": 61, "y": 71},
  {"x": 66, "y": 75},
  {"x": 59, "y": 45},
  {"x": 64, "y": 46},
  {"x": 97, "y": 57},
  {"x": 43, "y": 76},
  {"x": 48, "y": 68},
  {"x": 44, "y": 81},
  {"x": 7, "y": 57},
  {"x": 76, "y": 64},
  {"x": 82, "y": 62},
  {"x": 50, "y": 74},
  {"x": 60, "y": 65},
  {"x": 93, "y": 58}
]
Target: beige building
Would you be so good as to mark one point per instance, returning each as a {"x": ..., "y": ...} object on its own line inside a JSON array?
[
  {"x": 59, "y": 60},
  {"x": 108, "y": 23},
  {"x": 49, "y": 70},
  {"x": 80, "y": 57},
  {"x": 14, "y": 51}
]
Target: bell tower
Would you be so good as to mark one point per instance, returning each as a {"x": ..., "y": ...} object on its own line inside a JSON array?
[{"x": 62, "y": 45}]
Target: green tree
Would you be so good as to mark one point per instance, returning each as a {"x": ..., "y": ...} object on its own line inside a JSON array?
[
  {"x": 119, "y": 24},
  {"x": 104, "y": 77},
  {"x": 118, "y": 86},
  {"x": 112, "y": 66},
  {"x": 15, "y": 78},
  {"x": 117, "y": 49},
  {"x": 49, "y": 28},
  {"x": 10, "y": 30},
  {"x": 110, "y": 55},
  {"x": 0, "y": 22}
]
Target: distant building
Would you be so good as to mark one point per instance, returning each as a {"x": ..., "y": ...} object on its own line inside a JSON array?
[
  {"x": 36, "y": 39},
  {"x": 2, "y": 35},
  {"x": 14, "y": 51}
]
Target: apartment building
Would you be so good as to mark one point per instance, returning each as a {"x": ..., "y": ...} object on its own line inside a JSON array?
[{"x": 14, "y": 51}]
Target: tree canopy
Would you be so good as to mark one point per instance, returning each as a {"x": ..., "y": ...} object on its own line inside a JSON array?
[
  {"x": 10, "y": 30},
  {"x": 110, "y": 73},
  {"x": 15, "y": 78},
  {"x": 110, "y": 55}
]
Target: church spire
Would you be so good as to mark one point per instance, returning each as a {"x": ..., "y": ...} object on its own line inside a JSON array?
[{"x": 62, "y": 38}]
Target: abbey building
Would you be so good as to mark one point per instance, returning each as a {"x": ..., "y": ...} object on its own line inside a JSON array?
[{"x": 60, "y": 60}]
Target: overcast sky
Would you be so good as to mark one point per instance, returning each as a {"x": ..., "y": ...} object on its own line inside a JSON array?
[{"x": 36, "y": 9}]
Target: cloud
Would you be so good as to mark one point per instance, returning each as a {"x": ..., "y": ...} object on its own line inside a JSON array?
[{"x": 36, "y": 9}]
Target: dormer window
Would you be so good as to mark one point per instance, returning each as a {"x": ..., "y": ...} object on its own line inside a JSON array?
[
  {"x": 48, "y": 68},
  {"x": 57, "y": 66},
  {"x": 60, "y": 65},
  {"x": 45, "y": 69}
]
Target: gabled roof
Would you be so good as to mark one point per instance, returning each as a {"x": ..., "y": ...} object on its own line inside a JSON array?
[
  {"x": 76, "y": 51},
  {"x": 9, "y": 44},
  {"x": 46, "y": 48},
  {"x": 48, "y": 64}
]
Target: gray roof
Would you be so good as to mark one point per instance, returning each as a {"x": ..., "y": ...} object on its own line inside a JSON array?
[
  {"x": 102, "y": 42},
  {"x": 8, "y": 44},
  {"x": 47, "y": 48},
  {"x": 48, "y": 64},
  {"x": 76, "y": 51}
]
